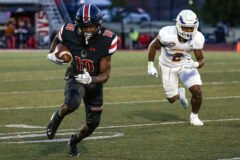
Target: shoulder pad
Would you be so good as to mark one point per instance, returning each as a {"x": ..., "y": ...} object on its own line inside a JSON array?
[
  {"x": 162, "y": 35},
  {"x": 110, "y": 39},
  {"x": 66, "y": 27},
  {"x": 198, "y": 41}
]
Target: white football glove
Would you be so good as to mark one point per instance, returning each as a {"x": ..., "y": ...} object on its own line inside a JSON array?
[
  {"x": 84, "y": 78},
  {"x": 190, "y": 64},
  {"x": 52, "y": 57},
  {"x": 152, "y": 71}
]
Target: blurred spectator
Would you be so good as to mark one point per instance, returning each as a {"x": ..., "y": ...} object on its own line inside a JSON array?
[
  {"x": 144, "y": 40},
  {"x": 10, "y": 35},
  {"x": 31, "y": 41},
  {"x": 22, "y": 33},
  {"x": 220, "y": 35},
  {"x": 134, "y": 34}
]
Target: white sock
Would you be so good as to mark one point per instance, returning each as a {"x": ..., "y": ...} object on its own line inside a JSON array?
[{"x": 193, "y": 115}]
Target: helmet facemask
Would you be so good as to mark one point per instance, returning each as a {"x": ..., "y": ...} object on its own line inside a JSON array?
[
  {"x": 88, "y": 16},
  {"x": 187, "y": 18},
  {"x": 87, "y": 37}
]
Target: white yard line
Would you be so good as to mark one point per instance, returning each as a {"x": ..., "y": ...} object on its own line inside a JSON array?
[
  {"x": 167, "y": 123},
  {"x": 61, "y": 78},
  {"x": 109, "y": 88},
  {"x": 17, "y": 136},
  {"x": 236, "y": 158},
  {"x": 65, "y": 139},
  {"x": 22, "y": 126},
  {"x": 114, "y": 134},
  {"x": 116, "y": 103}
]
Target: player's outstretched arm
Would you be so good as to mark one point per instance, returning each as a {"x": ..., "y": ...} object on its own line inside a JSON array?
[{"x": 154, "y": 45}]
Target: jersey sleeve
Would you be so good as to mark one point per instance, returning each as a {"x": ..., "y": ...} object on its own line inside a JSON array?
[
  {"x": 113, "y": 46},
  {"x": 109, "y": 41},
  {"x": 64, "y": 29},
  {"x": 162, "y": 36},
  {"x": 199, "y": 41},
  {"x": 60, "y": 33}
]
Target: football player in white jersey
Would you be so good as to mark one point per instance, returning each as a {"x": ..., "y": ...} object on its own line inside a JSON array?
[{"x": 176, "y": 44}]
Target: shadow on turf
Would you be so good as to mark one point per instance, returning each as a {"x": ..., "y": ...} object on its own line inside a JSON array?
[
  {"x": 59, "y": 148},
  {"x": 155, "y": 116}
]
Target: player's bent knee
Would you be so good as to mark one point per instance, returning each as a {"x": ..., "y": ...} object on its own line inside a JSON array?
[
  {"x": 172, "y": 99},
  {"x": 72, "y": 98},
  {"x": 197, "y": 93}
]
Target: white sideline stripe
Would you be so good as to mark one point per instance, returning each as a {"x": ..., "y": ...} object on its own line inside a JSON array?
[
  {"x": 108, "y": 88},
  {"x": 66, "y": 139},
  {"x": 116, "y": 103}
]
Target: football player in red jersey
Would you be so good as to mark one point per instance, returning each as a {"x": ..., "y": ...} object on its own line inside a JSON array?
[{"x": 91, "y": 46}]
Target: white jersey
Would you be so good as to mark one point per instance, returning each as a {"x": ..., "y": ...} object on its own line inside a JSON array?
[{"x": 175, "y": 53}]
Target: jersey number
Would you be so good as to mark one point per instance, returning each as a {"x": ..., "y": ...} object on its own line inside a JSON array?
[
  {"x": 177, "y": 57},
  {"x": 84, "y": 63}
]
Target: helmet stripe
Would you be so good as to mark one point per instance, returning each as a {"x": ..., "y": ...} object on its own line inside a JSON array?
[
  {"x": 89, "y": 11},
  {"x": 86, "y": 11},
  {"x": 181, "y": 20},
  {"x": 83, "y": 12}
]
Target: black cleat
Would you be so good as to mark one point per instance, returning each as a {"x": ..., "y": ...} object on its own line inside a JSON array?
[
  {"x": 72, "y": 143},
  {"x": 53, "y": 125}
]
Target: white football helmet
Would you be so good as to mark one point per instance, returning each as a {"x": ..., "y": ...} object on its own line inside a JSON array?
[{"x": 186, "y": 18}]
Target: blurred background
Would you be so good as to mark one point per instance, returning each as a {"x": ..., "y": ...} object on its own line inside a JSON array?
[{"x": 32, "y": 24}]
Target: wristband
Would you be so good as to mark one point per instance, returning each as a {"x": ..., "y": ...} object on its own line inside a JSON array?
[
  {"x": 196, "y": 64},
  {"x": 150, "y": 64}
]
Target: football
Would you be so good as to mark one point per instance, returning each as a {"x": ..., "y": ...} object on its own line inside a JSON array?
[{"x": 63, "y": 53}]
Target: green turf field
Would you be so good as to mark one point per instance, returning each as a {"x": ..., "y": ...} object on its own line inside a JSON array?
[{"x": 137, "y": 121}]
